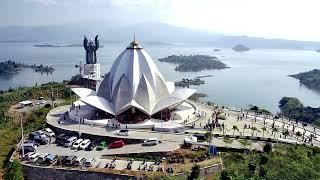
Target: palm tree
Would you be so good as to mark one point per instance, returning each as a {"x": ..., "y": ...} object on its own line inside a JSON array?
[
  {"x": 298, "y": 134},
  {"x": 263, "y": 130},
  {"x": 253, "y": 129},
  {"x": 235, "y": 128},
  {"x": 285, "y": 133},
  {"x": 274, "y": 131}
]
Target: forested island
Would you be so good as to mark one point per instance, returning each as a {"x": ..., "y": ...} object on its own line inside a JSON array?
[
  {"x": 240, "y": 48},
  {"x": 194, "y": 63},
  {"x": 10, "y": 67},
  {"x": 292, "y": 108},
  {"x": 310, "y": 78},
  {"x": 188, "y": 82}
]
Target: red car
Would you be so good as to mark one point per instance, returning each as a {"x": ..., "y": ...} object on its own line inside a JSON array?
[{"x": 116, "y": 144}]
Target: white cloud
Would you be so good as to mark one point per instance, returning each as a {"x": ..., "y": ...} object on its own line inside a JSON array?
[{"x": 44, "y": 2}]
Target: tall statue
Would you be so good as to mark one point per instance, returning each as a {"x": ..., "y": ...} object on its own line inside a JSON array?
[{"x": 91, "y": 49}]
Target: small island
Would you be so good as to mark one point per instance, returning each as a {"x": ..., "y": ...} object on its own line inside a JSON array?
[
  {"x": 310, "y": 79},
  {"x": 188, "y": 82},
  {"x": 10, "y": 67},
  {"x": 318, "y": 50},
  {"x": 194, "y": 63},
  {"x": 217, "y": 50},
  {"x": 240, "y": 48}
]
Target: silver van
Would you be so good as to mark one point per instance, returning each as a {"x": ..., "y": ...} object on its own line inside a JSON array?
[{"x": 70, "y": 141}]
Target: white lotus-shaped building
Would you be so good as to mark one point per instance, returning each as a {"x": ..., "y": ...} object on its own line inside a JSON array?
[{"x": 134, "y": 81}]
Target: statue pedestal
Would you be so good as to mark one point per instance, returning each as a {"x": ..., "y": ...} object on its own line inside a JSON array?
[{"x": 92, "y": 71}]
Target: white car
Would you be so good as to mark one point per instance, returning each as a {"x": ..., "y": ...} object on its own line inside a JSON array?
[
  {"x": 89, "y": 162},
  {"x": 49, "y": 132},
  {"x": 43, "y": 101},
  {"x": 76, "y": 144},
  {"x": 189, "y": 139},
  {"x": 41, "y": 134},
  {"x": 123, "y": 132},
  {"x": 84, "y": 144},
  {"x": 31, "y": 155},
  {"x": 151, "y": 142}
]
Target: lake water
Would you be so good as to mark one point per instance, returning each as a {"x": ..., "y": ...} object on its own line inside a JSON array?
[{"x": 258, "y": 77}]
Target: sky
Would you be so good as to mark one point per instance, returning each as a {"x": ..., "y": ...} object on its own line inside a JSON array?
[{"x": 288, "y": 19}]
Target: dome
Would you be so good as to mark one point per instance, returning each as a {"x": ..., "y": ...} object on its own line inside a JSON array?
[{"x": 134, "y": 79}]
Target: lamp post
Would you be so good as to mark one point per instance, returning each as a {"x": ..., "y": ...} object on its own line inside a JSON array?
[{"x": 22, "y": 139}]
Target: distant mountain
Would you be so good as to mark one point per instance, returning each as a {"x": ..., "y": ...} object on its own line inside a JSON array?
[
  {"x": 240, "y": 48},
  {"x": 149, "y": 32},
  {"x": 259, "y": 43}
]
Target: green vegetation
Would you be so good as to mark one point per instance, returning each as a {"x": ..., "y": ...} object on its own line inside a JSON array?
[
  {"x": 292, "y": 108},
  {"x": 310, "y": 78},
  {"x": 195, "y": 172},
  {"x": 8, "y": 67},
  {"x": 284, "y": 162},
  {"x": 259, "y": 110},
  {"x": 14, "y": 172},
  {"x": 10, "y": 122},
  {"x": 194, "y": 63}
]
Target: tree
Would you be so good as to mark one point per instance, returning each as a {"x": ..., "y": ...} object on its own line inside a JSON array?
[
  {"x": 274, "y": 131},
  {"x": 263, "y": 130},
  {"x": 225, "y": 175},
  {"x": 14, "y": 172},
  {"x": 195, "y": 172},
  {"x": 235, "y": 128},
  {"x": 285, "y": 133},
  {"x": 253, "y": 129},
  {"x": 267, "y": 148},
  {"x": 298, "y": 134},
  {"x": 208, "y": 137}
]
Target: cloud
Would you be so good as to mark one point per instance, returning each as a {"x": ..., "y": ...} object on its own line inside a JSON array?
[{"x": 43, "y": 2}]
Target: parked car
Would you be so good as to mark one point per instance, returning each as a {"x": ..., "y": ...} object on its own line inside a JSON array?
[
  {"x": 151, "y": 142},
  {"x": 70, "y": 160},
  {"x": 116, "y": 144},
  {"x": 49, "y": 132},
  {"x": 89, "y": 162},
  {"x": 91, "y": 146},
  {"x": 34, "y": 135},
  {"x": 32, "y": 141},
  {"x": 51, "y": 158},
  {"x": 42, "y": 141},
  {"x": 189, "y": 139},
  {"x": 63, "y": 140},
  {"x": 79, "y": 161},
  {"x": 84, "y": 144},
  {"x": 33, "y": 157},
  {"x": 29, "y": 155},
  {"x": 123, "y": 132},
  {"x": 59, "y": 138},
  {"x": 69, "y": 142},
  {"x": 28, "y": 147},
  {"x": 102, "y": 145},
  {"x": 42, "y": 158},
  {"x": 41, "y": 134},
  {"x": 76, "y": 144}
]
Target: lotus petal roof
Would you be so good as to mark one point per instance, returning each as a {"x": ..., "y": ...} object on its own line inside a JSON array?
[{"x": 134, "y": 81}]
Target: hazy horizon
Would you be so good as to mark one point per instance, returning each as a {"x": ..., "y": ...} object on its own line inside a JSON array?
[{"x": 269, "y": 19}]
